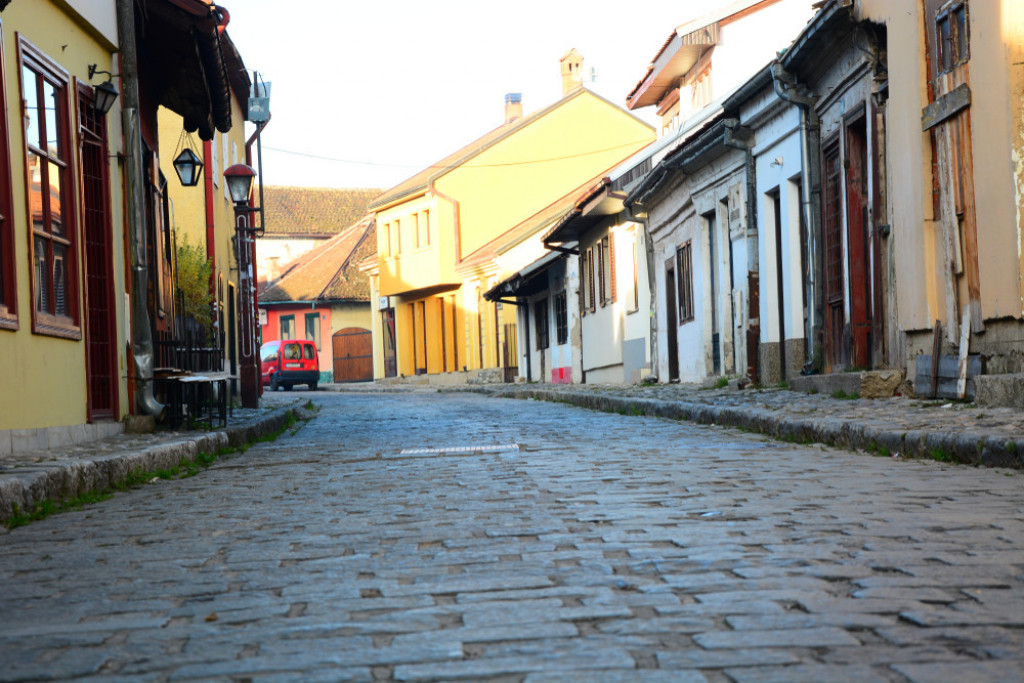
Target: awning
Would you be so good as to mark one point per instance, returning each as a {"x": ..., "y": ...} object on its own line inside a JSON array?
[
  {"x": 188, "y": 63},
  {"x": 600, "y": 202},
  {"x": 527, "y": 282}
]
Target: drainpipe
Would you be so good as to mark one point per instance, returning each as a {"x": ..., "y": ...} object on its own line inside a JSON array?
[
  {"x": 787, "y": 88},
  {"x": 141, "y": 335},
  {"x": 746, "y": 145}
]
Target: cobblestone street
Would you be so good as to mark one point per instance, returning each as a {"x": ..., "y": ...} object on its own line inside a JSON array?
[{"x": 426, "y": 536}]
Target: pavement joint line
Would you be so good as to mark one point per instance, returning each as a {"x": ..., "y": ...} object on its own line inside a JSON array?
[{"x": 461, "y": 449}]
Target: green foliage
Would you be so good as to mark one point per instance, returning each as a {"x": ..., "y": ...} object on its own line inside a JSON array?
[
  {"x": 842, "y": 395},
  {"x": 194, "y": 272}
]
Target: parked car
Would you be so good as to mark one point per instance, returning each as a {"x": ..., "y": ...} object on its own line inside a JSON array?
[{"x": 286, "y": 363}]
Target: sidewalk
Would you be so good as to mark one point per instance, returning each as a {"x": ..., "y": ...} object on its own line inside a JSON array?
[{"x": 29, "y": 477}]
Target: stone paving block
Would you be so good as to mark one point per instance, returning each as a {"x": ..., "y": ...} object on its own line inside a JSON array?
[
  {"x": 698, "y": 658},
  {"x": 1012, "y": 617},
  {"x": 53, "y": 665},
  {"x": 943, "y": 672},
  {"x": 723, "y": 608},
  {"x": 618, "y": 676},
  {"x": 667, "y": 625},
  {"x": 460, "y": 584},
  {"x": 520, "y": 614},
  {"x": 555, "y": 660},
  {"x": 809, "y": 673},
  {"x": 923, "y": 594},
  {"x": 826, "y": 636},
  {"x": 776, "y": 622}
]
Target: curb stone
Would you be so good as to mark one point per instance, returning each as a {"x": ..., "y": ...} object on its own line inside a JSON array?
[
  {"x": 25, "y": 487},
  {"x": 969, "y": 448}
]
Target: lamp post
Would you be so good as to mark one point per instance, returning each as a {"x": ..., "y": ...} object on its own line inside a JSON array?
[{"x": 240, "y": 179}]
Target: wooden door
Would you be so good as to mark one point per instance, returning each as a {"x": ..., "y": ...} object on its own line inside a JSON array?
[
  {"x": 100, "y": 330},
  {"x": 671, "y": 341},
  {"x": 859, "y": 258},
  {"x": 353, "y": 355}
]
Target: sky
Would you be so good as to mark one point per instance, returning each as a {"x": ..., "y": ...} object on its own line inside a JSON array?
[{"x": 365, "y": 93}]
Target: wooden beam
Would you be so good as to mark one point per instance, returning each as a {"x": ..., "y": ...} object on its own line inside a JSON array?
[{"x": 946, "y": 106}]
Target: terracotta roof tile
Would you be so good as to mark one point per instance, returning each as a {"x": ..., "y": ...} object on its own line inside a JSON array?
[
  {"x": 329, "y": 272},
  {"x": 313, "y": 210}
]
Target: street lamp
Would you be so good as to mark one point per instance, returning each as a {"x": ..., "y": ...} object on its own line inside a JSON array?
[
  {"x": 105, "y": 94},
  {"x": 188, "y": 166},
  {"x": 240, "y": 178}
]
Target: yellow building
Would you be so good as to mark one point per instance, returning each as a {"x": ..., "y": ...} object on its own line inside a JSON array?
[
  {"x": 204, "y": 214},
  {"x": 86, "y": 235},
  {"x": 62, "y": 267},
  {"x": 433, "y": 318}
]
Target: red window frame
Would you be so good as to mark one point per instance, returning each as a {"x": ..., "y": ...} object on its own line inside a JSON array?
[
  {"x": 52, "y": 225},
  {"x": 8, "y": 275}
]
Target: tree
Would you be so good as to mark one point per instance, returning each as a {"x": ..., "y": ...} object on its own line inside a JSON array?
[{"x": 194, "y": 272}]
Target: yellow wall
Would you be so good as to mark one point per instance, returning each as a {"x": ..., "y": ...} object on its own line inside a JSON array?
[
  {"x": 43, "y": 378},
  {"x": 189, "y": 203},
  {"x": 526, "y": 172},
  {"x": 406, "y": 267}
]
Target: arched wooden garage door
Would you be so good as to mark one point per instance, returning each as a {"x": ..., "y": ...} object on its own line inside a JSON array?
[{"x": 353, "y": 355}]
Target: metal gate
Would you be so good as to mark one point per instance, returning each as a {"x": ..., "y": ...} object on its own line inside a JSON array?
[{"x": 353, "y": 355}]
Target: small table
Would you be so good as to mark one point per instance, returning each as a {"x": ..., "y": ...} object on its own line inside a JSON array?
[{"x": 196, "y": 396}]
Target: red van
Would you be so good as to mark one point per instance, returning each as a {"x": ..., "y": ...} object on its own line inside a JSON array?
[{"x": 286, "y": 363}]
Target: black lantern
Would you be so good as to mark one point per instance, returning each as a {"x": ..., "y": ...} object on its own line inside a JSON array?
[
  {"x": 240, "y": 178},
  {"x": 104, "y": 94},
  {"x": 104, "y": 97},
  {"x": 188, "y": 166}
]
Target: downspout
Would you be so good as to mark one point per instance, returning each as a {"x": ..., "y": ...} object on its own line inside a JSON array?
[
  {"x": 732, "y": 126},
  {"x": 787, "y": 89},
  {"x": 141, "y": 335},
  {"x": 255, "y": 137}
]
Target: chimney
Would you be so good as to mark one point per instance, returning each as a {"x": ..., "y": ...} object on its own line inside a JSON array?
[
  {"x": 513, "y": 107},
  {"x": 572, "y": 71}
]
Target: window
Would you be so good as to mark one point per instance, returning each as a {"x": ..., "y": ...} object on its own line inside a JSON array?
[
  {"x": 287, "y": 327},
  {"x": 396, "y": 234},
  {"x": 951, "y": 37},
  {"x": 606, "y": 268},
  {"x": 540, "y": 317},
  {"x": 268, "y": 354},
  {"x": 308, "y": 351},
  {"x": 426, "y": 228},
  {"x": 47, "y": 119},
  {"x": 385, "y": 242},
  {"x": 684, "y": 273},
  {"x": 8, "y": 289},
  {"x": 416, "y": 231},
  {"x": 587, "y": 295},
  {"x": 293, "y": 352},
  {"x": 313, "y": 328},
  {"x": 561, "y": 319}
]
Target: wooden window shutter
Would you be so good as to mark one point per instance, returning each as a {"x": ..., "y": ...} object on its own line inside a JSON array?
[
  {"x": 591, "y": 304},
  {"x": 582, "y": 298},
  {"x": 613, "y": 295}
]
